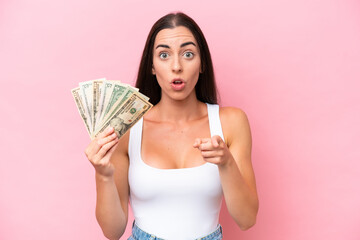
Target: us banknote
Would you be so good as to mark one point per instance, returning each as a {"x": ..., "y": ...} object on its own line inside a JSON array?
[
  {"x": 102, "y": 103},
  {"x": 130, "y": 111}
]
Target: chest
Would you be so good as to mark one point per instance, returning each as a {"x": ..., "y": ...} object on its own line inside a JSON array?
[{"x": 170, "y": 146}]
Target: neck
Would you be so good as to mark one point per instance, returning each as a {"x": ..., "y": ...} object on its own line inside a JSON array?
[{"x": 171, "y": 110}]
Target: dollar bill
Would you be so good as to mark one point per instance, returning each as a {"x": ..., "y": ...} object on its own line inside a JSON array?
[
  {"x": 81, "y": 108},
  {"x": 105, "y": 92},
  {"x": 118, "y": 92},
  {"x": 115, "y": 103},
  {"x": 129, "y": 91},
  {"x": 96, "y": 98},
  {"x": 127, "y": 115},
  {"x": 114, "y": 93},
  {"x": 86, "y": 95},
  {"x": 102, "y": 103}
]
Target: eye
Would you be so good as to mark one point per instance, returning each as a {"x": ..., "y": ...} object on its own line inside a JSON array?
[
  {"x": 163, "y": 55},
  {"x": 188, "y": 55}
]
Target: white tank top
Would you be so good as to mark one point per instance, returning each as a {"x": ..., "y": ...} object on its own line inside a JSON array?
[{"x": 176, "y": 204}]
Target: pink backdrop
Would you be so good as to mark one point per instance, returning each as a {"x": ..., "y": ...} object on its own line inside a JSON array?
[{"x": 292, "y": 66}]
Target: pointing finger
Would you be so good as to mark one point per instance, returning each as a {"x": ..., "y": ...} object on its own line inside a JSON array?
[
  {"x": 205, "y": 144},
  {"x": 197, "y": 143}
]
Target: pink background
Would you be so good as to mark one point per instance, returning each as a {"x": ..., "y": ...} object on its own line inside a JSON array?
[{"x": 292, "y": 66}]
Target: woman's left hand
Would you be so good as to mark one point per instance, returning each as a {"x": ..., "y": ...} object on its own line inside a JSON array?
[{"x": 213, "y": 150}]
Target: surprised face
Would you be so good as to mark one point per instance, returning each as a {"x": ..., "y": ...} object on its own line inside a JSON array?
[{"x": 176, "y": 63}]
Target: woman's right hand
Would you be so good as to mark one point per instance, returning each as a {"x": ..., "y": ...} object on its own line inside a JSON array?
[{"x": 100, "y": 150}]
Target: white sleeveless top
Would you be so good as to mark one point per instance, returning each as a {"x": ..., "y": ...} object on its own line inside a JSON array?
[{"x": 176, "y": 204}]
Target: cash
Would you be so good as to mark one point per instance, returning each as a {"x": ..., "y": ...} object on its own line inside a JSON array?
[{"x": 102, "y": 103}]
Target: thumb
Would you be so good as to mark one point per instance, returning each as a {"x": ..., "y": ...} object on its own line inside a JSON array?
[{"x": 216, "y": 140}]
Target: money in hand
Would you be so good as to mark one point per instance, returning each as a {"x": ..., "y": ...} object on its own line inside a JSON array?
[{"x": 102, "y": 103}]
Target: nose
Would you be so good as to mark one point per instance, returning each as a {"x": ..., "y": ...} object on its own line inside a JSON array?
[{"x": 176, "y": 65}]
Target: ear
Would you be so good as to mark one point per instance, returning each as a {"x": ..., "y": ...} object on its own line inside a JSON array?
[{"x": 153, "y": 70}]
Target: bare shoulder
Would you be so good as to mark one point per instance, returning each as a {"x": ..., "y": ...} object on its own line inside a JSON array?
[
  {"x": 232, "y": 113},
  {"x": 235, "y": 123}
]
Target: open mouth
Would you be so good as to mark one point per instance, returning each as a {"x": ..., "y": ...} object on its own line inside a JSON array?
[
  {"x": 177, "y": 81},
  {"x": 177, "y": 84}
]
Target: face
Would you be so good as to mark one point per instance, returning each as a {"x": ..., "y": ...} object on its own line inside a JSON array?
[{"x": 176, "y": 63}]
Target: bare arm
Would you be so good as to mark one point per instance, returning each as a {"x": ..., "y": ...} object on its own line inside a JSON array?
[
  {"x": 233, "y": 158},
  {"x": 237, "y": 175},
  {"x": 110, "y": 160}
]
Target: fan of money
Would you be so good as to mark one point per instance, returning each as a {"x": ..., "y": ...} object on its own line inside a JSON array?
[{"x": 102, "y": 103}]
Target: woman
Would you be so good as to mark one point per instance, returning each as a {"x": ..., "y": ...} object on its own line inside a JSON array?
[{"x": 176, "y": 163}]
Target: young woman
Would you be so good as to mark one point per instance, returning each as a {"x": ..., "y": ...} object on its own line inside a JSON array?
[{"x": 177, "y": 163}]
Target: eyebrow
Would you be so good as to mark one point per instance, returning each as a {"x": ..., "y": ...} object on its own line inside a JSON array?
[{"x": 182, "y": 45}]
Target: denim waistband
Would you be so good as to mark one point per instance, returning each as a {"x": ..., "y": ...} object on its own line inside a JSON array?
[{"x": 139, "y": 234}]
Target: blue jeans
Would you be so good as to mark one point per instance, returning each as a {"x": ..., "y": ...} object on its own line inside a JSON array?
[{"x": 139, "y": 234}]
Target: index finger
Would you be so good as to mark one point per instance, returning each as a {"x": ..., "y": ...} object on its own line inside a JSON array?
[
  {"x": 197, "y": 142},
  {"x": 205, "y": 144}
]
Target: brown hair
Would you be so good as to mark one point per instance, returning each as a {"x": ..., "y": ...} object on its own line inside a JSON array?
[{"x": 146, "y": 82}]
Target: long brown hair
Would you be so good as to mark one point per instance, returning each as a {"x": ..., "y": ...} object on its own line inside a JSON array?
[{"x": 146, "y": 82}]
